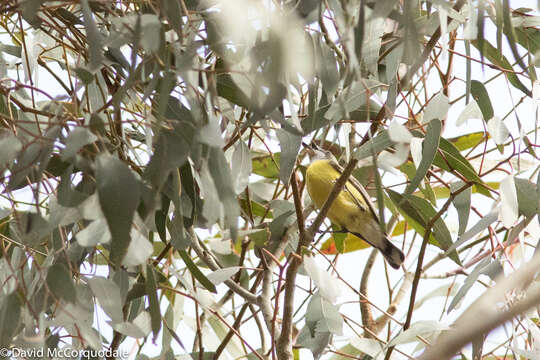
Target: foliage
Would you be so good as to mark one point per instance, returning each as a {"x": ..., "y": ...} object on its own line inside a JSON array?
[{"x": 152, "y": 176}]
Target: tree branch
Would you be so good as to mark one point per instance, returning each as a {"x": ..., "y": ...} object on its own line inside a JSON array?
[{"x": 211, "y": 263}]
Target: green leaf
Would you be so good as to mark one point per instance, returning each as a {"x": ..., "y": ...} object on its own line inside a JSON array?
[
  {"x": 179, "y": 237},
  {"x": 11, "y": 50},
  {"x": 153, "y": 301},
  {"x": 316, "y": 110},
  {"x": 256, "y": 209},
  {"x": 94, "y": 38},
  {"x": 10, "y": 318},
  {"x": 290, "y": 145},
  {"x": 529, "y": 38},
  {"x": 60, "y": 284},
  {"x": 266, "y": 165},
  {"x": 429, "y": 150},
  {"x": 467, "y": 141},
  {"x": 462, "y": 203},
  {"x": 172, "y": 146},
  {"x": 119, "y": 193},
  {"x": 526, "y": 196},
  {"x": 227, "y": 89},
  {"x": 33, "y": 160},
  {"x": 485, "y": 267},
  {"x": 95, "y": 233},
  {"x": 325, "y": 64},
  {"x": 481, "y": 96},
  {"x": 221, "y": 173},
  {"x": 493, "y": 55},
  {"x": 351, "y": 98},
  {"x": 419, "y": 213},
  {"x": 452, "y": 159},
  {"x": 108, "y": 295},
  {"x": 374, "y": 146},
  {"x": 196, "y": 272},
  {"x": 241, "y": 166},
  {"x": 323, "y": 316},
  {"x": 481, "y": 225},
  {"x": 29, "y": 11},
  {"x": 78, "y": 138},
  {"x": 284, "y": 216},
  {"x": 510, "y": 35},
  {"x": 220, "y": 275},
  {"x": 10, "y": 146}
]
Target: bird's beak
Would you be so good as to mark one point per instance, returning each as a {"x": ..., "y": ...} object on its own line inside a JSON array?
[{"x": 309, "y": 148}]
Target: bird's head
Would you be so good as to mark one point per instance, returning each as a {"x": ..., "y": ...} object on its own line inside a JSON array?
[{"x": 317, "y": 153}]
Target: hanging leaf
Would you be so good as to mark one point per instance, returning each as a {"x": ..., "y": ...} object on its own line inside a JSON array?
[
  {"x": 241, "y": 166},
  {"x": 462, "y": 203},
  {"x": 119, "y": 193},
  {"x": 430, "y": 147},
  {"x": 419, "y": 213},
  {"x": 153, "y": 301},
  {"x": 266, "y": 165},
  {"x": 290, "y": 145},
  {"x": 60, "y": 284},
  {"x": 10, "y": 318},
  {"x": 94, "y": 37},
  {"x": 108, "y": 295}
]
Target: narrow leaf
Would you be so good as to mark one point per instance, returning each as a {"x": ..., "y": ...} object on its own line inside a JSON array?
[
  {"x": 60, "y": 284},
  {"x": 431, "y": 145},
  {"x": 290, "y": 145},
  {"x": 153, "y": 301},
  {"x": 462, "y": 203},
  {"x": 119, "y": 194},
  {"x": 196, "y": 272},
  {"x": 108, "y": 295}
]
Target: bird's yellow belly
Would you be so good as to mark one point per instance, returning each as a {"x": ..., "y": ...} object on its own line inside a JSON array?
[{"x": 321, "y": 178}]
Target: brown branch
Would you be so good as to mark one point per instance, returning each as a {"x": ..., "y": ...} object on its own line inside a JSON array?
[
  {"x": 483, "y": 316},
  {"x": 365, "y": 308},
  {"x": 284, "y": 344},
  {"x": 211, "y": 263},
  {"x": 419, "y": 265}
]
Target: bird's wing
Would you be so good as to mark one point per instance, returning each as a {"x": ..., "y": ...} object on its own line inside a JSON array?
[{"x": 353, "y": 182}]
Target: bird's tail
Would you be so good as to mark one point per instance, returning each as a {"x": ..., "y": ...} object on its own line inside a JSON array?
[{"x": 393, "y": 255}]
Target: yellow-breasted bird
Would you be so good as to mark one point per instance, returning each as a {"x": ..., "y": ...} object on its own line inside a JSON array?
[{"x": 352, "y": 209}]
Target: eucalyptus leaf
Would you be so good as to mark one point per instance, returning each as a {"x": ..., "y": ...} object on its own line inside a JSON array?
[
  {"x": 60, "y": 284},
  {"x": 290, "y": 145},
  {"x": 430, "y": 148},
  {"x": 108, "y": 295},
  {"x": 119, "y": 193},
  {"x": 241, "y": 166}
]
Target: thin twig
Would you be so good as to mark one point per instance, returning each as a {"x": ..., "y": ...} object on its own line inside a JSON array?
[{"x": 211, "y": 263}]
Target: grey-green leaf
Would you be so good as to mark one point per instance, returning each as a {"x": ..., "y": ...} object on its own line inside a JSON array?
[
  {"x": 60, "y": 284},
  {"x": 78, "y": 138},
  {"x": 221, "y": 173},
  {"x": 95, "y": 41},
  {"x": 290, "y": 145},
  {"x": 324, "y": 315},
  {"x": 119, "y": 194},
  {"x": 430, "y": 147},
  {"x": 10, "y": 317},
  {"x": 10, "y": 146},
  {"x": 374, "y": 146},
  {"x": 108, "y": 295},
  {"x": 462, "y": 203},
  {"x": 241, "y": 166},
  {"x": 153, "y": 301}
]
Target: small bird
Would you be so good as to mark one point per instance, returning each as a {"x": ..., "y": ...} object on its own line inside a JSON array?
[{"x": 352, "y": 209}]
